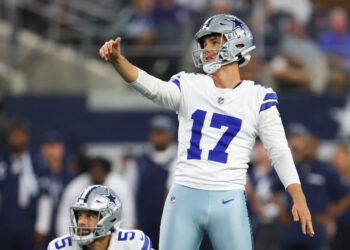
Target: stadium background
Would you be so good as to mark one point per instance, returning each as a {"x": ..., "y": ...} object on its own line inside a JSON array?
[{"x": 52, "y": 77}]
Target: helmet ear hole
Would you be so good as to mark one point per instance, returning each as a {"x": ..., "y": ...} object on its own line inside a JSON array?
[{"x": 240, "y": 45}]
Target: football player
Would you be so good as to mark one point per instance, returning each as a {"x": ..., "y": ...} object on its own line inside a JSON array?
[
  {"x": 95, "y": 219},
  {"x": 220, "y": 115}
]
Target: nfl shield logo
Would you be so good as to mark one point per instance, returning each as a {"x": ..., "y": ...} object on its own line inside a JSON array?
[
  {"x": 221, "y": 100},
  {"x": 172, "y": 199}
]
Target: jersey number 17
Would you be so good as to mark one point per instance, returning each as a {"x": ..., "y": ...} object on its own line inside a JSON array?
[{"x": 217, "y": 154}]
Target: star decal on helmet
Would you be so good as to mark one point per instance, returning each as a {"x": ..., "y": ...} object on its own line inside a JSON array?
[
  {"x": 237, "y": 23},
  {"x": 111, "y": 198}
]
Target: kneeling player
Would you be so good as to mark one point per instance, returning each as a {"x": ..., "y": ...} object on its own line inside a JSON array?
[{"x": 95, "y": 218}]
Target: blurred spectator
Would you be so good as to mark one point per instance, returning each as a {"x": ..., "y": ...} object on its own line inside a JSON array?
[
  {"x": 326, "y": 195},
  {"x": 134, "y": 24},
  {"x": 301, "y": 65},
  {"x": 336, "y": 41},
  {"x": 341, "y": 161},
  {"x": 339, "y": 82},
  {"x": 326, "y": 4},
  {"x": 301, "y": 10},
  {"x": 78, "y": 164},
  {"x": 220, "y": 7},
  {"x": 172, "y": 23},
  {"x": 148, "y": 172},
  {"x": 53, "y": 177},
  {"x": 99, "y": 173},
  {"x": 194, "y": 5},
  {"x": 19, "y": 191},
  {"x": 268, "y": 231}
]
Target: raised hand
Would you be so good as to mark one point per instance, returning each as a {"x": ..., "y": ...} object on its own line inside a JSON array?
[{"x": 110, "y": 51}]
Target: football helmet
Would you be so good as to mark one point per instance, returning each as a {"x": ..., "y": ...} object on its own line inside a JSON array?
[
  {"x": 106, "y": 203},
  {"x": 238, "y": 45}
]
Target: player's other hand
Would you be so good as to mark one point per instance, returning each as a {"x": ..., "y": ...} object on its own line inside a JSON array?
[
  {"x": 300, "y": 212},
  {"x": 300, "y": 209},
  {"x": 110, "y": 51}
]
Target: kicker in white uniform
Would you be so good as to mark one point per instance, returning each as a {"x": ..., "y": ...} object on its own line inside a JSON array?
[{"x": 220, "y": 115}]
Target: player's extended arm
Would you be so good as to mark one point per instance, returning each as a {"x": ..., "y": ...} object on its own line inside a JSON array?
[
  {"x": 161, "y": 92},
  {"x": 300, "y": 209}
]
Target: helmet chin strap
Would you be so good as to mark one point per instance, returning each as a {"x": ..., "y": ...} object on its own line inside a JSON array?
[{"x": 211, "y": 67}]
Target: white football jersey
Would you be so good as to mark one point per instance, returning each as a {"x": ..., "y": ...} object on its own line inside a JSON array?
[
  {"x": 218, "y": 128},
  {"x": 120, "y": 240}
]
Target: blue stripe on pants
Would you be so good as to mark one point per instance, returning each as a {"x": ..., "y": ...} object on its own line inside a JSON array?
[{"x": 222, "y": 214}]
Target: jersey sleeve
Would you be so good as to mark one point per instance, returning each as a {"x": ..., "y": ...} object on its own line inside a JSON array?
[
  {"x": 147, "y": 243},
  {"x": 144, "y": 242},
  {"x": 271, "y": 132},
  {"x": 166, "y": 94}
]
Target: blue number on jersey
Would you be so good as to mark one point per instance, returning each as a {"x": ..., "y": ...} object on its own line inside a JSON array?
[
  {"x": 194, "y": 152},
  {"x": 63, "y": 242},
  {"x": 124, "y": 236},
  {"x": 218, "y": 154}
]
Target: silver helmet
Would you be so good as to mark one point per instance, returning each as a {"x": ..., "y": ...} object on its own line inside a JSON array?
[
  {"x": 106, "y": 203},
  {"x": 238, "y": 46}
]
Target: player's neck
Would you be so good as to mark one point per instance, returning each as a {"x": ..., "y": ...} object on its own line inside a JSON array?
[
  {"x": 227, "y": 77},
  {"x": 100, "y": 244}
]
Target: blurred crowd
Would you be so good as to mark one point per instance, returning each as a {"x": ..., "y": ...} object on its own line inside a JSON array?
[
  {"x": 301, "y": 46},
  {"x": 38, "y": 186}
]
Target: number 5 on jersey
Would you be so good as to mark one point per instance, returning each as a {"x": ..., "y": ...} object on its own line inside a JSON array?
[{"x": 218, "y": 154}]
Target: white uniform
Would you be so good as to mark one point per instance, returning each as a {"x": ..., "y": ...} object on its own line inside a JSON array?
[
  {"x": 120, "y": 240},
  {"x": 218, "y": 127},
  {"x": 217, "y": 131}
]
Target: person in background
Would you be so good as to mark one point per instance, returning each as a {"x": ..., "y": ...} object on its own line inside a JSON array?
[
  {"x": 328, "y": 195},
  {"x": 300, "y": 65},
  {"x": 147, "y": 173},
  {"x": 134, "y": 22},
  {"x": 260, "y": 176},
  {"x": 53, "y": 176},
  {"x": 19, "y": 190},
  {"x": 335, "y": 42},
  {"x": 341, "y": 162},
  {"x": 98, "y": 173}
]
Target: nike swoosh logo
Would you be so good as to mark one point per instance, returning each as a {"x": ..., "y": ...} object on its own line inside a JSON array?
[{"x": 224, "y": 202}]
